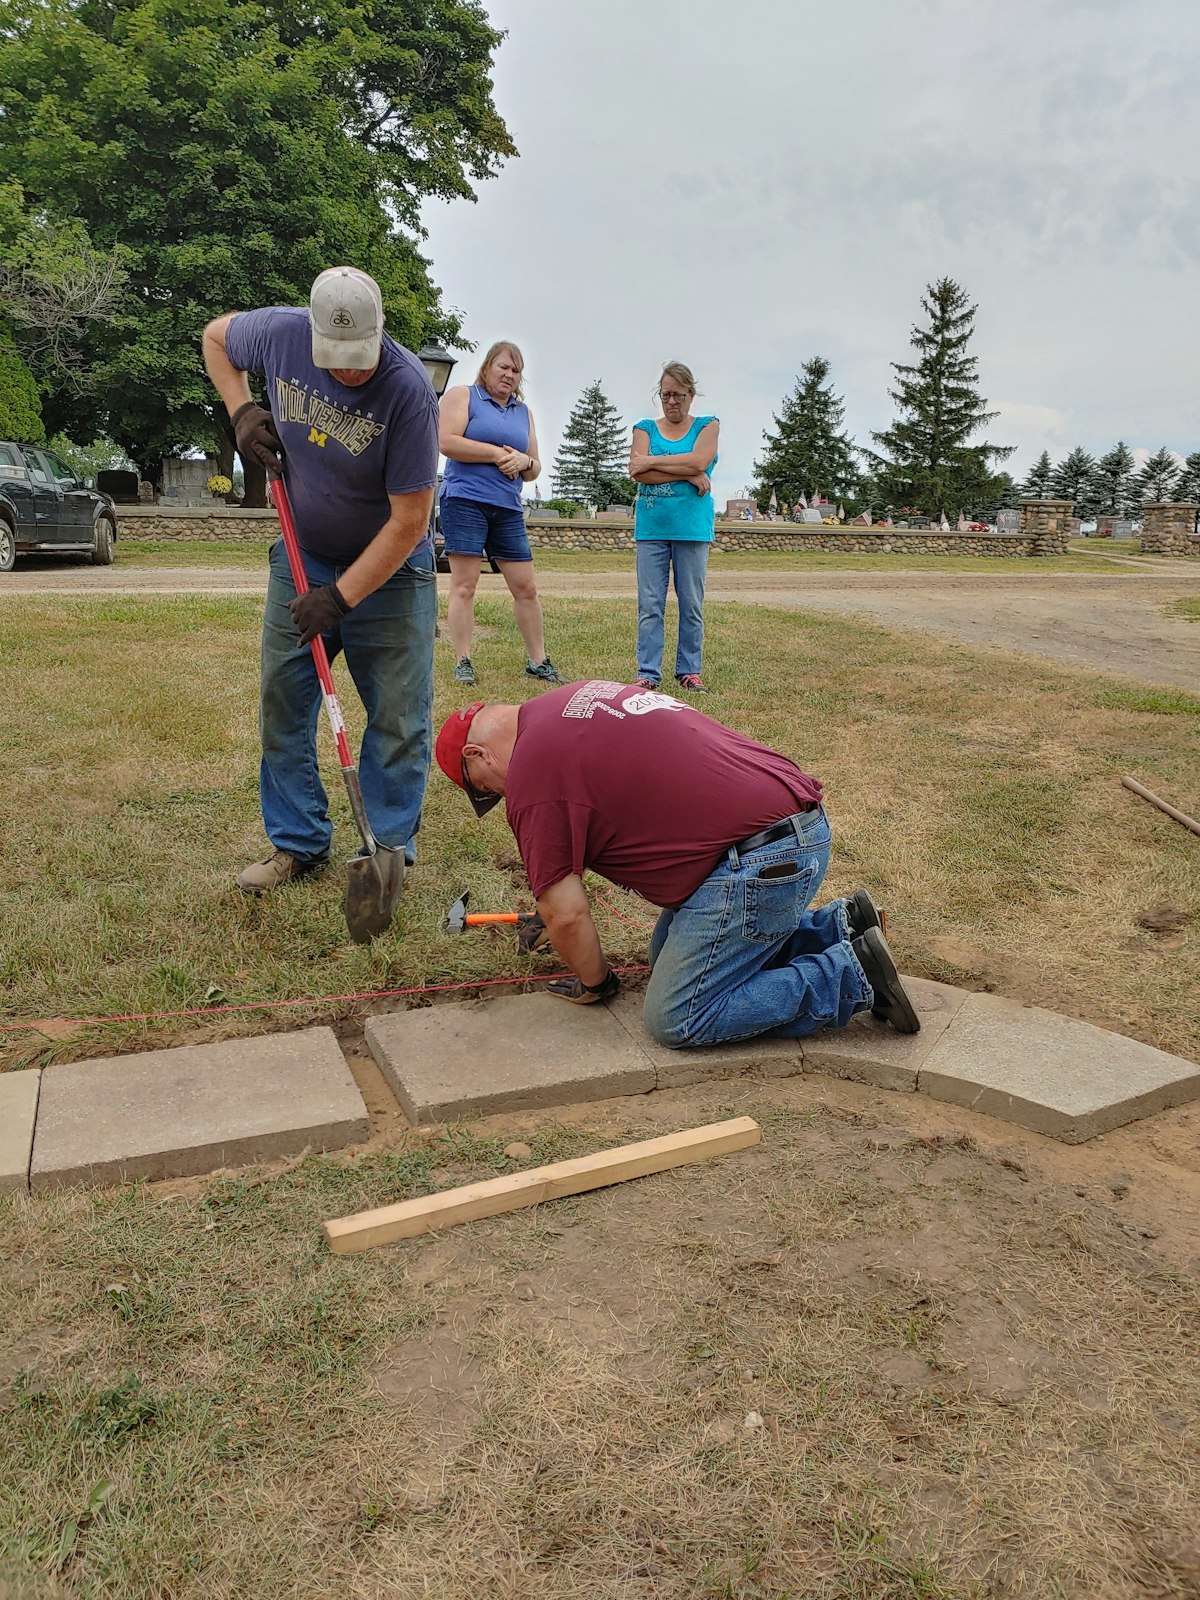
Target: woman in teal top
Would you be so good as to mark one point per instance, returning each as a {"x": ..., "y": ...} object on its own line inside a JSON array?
[{"x": 673, "y": 526}]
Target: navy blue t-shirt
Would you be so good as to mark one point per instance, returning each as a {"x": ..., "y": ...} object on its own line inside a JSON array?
[{"x": 347, "y": 448}]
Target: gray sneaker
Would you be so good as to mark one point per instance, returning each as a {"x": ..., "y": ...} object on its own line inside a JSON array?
[
  {"x": 464, "y": 672},
  {"x": 279, "y": 867},
  {"x": 545, "y": 670}
]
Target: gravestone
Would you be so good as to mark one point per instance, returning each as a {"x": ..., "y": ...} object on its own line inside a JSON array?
[
  {"x": 1008, "y": 521},
  {"x": 811, "y": 514},
  {"x": 185, "y": 480}
]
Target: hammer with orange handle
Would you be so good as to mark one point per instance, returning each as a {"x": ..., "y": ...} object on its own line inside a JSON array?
[{"x": 530, "y": 927}]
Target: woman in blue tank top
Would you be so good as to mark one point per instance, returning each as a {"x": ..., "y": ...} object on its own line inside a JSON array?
[
  {"x": 673, "y": 526},
  {"x": 488, "y": 439}
]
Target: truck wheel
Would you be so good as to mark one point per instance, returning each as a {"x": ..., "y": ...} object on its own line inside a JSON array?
[
  {"x": 8, "y": 547},
  {"x": 102, "y": 543}
]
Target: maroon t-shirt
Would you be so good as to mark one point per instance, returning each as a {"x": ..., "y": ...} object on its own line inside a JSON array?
[{"x": 639, "y": 787}]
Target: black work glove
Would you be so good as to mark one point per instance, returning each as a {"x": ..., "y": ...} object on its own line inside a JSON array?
[
  {"x": 255, "y": 436},
  {"x": 531, "y": 934},
  {"x": 584, "y": 994},
  {"x": 318, "y": 611}
]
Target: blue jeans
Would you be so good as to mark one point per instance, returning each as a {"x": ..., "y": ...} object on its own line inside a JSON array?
[
  {"x": 744, "y": 956},
  {"x": 474, "y": 528},
  {"x": 388, "y": 642},
  {"x": 655, "y": 559}
]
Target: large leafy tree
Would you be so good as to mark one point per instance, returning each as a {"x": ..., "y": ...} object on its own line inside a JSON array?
[
  {"x": 591, "y": 461},
  {"x": 1115, "y": 495},
  {"x": 233, "y": 149},
  {"x": 926, "y": 459},
  {"x": 1037, "y": 484},
  {"x": 1074, "y": 478},
  {"x": 808, "y": 450},
  {"x": 1159, "y": 476}
]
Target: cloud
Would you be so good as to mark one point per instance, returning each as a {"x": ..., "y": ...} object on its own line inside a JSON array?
[{"x": 746, "y": 187}]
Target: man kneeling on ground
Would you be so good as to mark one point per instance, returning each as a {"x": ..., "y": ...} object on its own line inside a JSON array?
[{"x": 729, "y": 838}]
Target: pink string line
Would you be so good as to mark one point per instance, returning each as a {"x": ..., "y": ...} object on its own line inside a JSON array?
[
  {"x": 314, "y": 1000},
  {"x": 608, "y": 906}
]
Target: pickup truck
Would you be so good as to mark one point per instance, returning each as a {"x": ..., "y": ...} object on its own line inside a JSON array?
[{"x": 44, "y": 507}]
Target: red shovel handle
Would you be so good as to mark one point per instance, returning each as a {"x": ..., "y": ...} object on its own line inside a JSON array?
[{"x": 320, "y": 656}]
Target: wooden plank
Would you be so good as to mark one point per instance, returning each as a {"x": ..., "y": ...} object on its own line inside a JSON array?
[{"x": 386, "y": 1224}]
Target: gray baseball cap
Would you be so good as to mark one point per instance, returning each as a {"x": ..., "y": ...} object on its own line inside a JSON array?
[{"x": 346, "y": 313}]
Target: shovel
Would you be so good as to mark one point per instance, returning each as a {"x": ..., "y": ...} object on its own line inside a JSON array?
[{"x": 374, "y": 878}]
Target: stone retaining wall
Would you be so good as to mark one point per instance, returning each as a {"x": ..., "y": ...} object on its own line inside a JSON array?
[
  {"x": 1169, "y": 530},
  {"x": 218, "y": 524},
  {"x": 1044, "y": 531},
  {"x": 797, "y": 537}
]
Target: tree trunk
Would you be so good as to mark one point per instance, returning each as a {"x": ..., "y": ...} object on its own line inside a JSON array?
[
  {"x": 256, "y": 485},
  {"x": 225, "y": 447}
]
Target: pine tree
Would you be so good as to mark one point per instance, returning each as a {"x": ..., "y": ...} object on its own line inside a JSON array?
[
  {"x": 20, "y": 411},
  {"x": 1113, "y": 481},
  {"x": 1188, "y": 487},
  {"x": 591, "y": 461},
  {"x": 1037, "y": 484},
  {"x": 1074, "y": 478},
  {"x": 1002, "y": 496},
  {"x": 1157, "y": 479},
  {"x": 927, "y": 461},
  {"x": 808, "y": 451}
]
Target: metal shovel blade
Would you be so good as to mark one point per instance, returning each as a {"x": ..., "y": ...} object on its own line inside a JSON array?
[{"x": 373, "y": 885}]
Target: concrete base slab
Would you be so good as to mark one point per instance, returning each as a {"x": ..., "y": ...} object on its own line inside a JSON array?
[
  {"x": 872, "y": 1052},
  {"x": 769, "y": 1058},
  {"x": 18, "y": 1112},
  {"x": 178, "y": 1113},
  {"x": 482, "y": 1056},
  {"x": 1050, "y": 1073}
]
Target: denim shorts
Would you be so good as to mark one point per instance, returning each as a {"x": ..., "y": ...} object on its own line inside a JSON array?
[{"x": 474, "y": 528}]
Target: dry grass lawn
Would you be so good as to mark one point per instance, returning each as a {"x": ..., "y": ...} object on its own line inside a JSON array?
[
  {"x": 978, "y": 794},
  {"x": 896, "y": 1352}
]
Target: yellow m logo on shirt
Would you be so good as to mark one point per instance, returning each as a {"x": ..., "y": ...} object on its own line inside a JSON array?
[{"x": 315, "y": 437}]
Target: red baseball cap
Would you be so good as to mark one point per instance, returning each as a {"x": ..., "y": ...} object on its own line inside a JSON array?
[{"x": 454, "y": 734}]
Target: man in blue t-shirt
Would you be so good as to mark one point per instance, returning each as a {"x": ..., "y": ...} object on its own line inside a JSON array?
[{"x": 351, "y": 420}]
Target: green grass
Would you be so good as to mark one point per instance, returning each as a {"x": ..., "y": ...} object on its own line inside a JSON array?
[
  {"x": 245, "y": 555},
  {"x": 1188, "y": 609},
  {"x": 1158, "y": 702},
  {"x": 141, "y": 553},
  {"x": 1118, "y": 547}
]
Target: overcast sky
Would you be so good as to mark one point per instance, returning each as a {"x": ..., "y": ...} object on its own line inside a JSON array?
[{"x": 742, "y": 184}]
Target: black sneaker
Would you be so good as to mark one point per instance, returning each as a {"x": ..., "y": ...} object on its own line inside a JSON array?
[
  {"x": 544, "y": 669},
  {"x": 862, "y": 913},
  {"x": 891, "y": 1002},
  {"x": 464, "y": 672}
]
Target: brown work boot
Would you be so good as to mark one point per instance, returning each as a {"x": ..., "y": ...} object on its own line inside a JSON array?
[{"x": 279, "y": 867}]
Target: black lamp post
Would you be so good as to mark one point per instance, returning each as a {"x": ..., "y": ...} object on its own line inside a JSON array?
[{"x": 438, "y": 363}]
